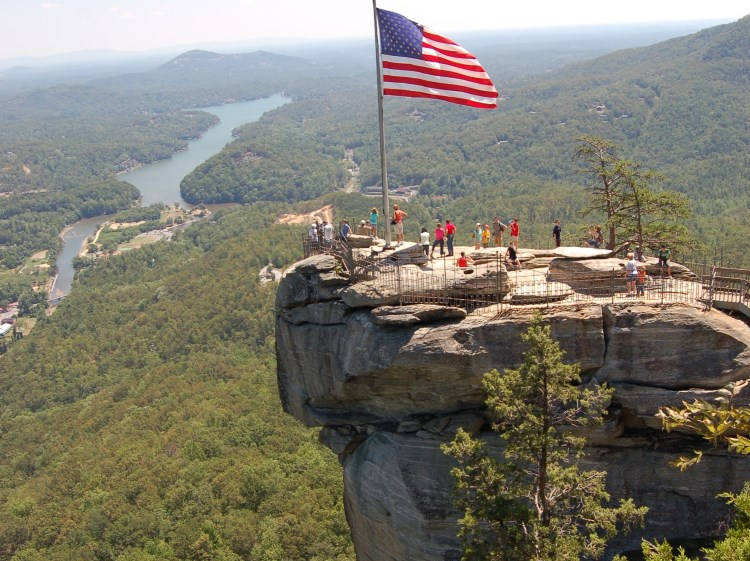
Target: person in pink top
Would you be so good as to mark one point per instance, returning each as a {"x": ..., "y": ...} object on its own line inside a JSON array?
[
  {"x": 450, "y": 233},
  {"x": 514, "y": 231},
  {"x": 439, "y": 239}
]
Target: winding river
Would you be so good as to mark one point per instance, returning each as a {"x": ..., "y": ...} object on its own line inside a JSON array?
[{"x": 159, "y": 182}]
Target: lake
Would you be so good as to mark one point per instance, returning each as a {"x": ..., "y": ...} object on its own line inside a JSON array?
[{"x": 159, "y": 182}]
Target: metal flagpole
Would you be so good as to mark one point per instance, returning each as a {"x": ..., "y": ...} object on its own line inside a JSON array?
[{"x": 383, "y": 166}]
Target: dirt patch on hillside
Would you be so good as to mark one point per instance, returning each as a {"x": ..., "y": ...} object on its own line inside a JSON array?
[{"x": 324, "y": 213}]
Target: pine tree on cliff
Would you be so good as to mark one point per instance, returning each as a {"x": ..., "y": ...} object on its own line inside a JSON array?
[
  {"x": 637, "y": 211},
  {"x": 535, "y": 503}
]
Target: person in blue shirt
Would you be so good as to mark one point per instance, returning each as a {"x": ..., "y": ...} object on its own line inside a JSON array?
[
  {"x": 345, "y": 230},
  {"x": 374, "y": 222}
]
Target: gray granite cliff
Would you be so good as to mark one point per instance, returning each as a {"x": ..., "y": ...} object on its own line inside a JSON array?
[{"x": 389, "y": 383}]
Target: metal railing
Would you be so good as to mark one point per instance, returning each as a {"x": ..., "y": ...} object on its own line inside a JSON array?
[{"x": 487, "y": 286}]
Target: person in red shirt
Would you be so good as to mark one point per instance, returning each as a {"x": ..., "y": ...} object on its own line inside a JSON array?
[
  {"x": 514, "y": 231},
  {"x": 439, "y": 239},
  {"x": 450, "y": 232},
  {"x": 398, "y": 224},
  {"x": 464, "y": 261}
]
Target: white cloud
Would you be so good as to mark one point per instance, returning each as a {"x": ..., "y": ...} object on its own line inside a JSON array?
[{"x": 51, "y": 5}]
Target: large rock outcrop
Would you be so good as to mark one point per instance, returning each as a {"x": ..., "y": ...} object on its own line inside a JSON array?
[{"x": 390, "y": 384}]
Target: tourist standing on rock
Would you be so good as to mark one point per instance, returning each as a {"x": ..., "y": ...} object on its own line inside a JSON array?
[
  {"x": 497, "y": 230},
  {"x": 664, "y": 260},
  {"x": 439, "y": 239},
  {"x": 345, "y": 229},
  {"x": 327, "y": 233},
  {"x": 557, "y": 232},
  {"x": 640, "y": 282},
  {"x": 486, "y": 236},
  {"x": 514, "y": 232},
  {"x": 398, "y": 224},
  {"x": 450, "y": 233},
  {"x": 424, "y": 241},
  {"x": 374, "y": 222},
  {"x": 477, "y": 235},
  {"x": 313, "y": 233},
  {"x": 631, "y": 274}
]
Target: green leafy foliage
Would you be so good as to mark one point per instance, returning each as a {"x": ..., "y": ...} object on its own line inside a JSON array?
[
  {"x": 141, "y": 421},
  {"x": 535, "y": 503},
  {"x": 722, "y": 423}
]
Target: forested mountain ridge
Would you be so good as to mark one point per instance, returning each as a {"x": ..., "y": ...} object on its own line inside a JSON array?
[{"x": 679, "y": 106}]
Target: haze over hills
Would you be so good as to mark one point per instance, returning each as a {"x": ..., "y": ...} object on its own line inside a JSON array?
[{"x": 679, "y": 106}]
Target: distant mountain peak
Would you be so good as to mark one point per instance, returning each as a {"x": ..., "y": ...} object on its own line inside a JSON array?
[
  {"x": 199, "y": 57},
  {"x": 196, "y": 55}
]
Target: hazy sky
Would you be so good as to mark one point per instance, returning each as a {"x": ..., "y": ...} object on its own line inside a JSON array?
[{"x": 34, "y": 27}]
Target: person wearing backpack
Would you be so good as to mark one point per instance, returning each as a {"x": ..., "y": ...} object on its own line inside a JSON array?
[{"x": 498, "y": 229}]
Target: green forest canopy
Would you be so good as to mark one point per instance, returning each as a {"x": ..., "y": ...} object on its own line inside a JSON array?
[{"x": 142, "y": 422}]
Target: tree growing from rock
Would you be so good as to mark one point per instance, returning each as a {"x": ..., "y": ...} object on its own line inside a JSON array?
[
  {"x": 650, "y": 218},
  {"x": 535, "y": 503},
  {"x": 625, "y": 193},
  {"x": 600, "y": 160}
]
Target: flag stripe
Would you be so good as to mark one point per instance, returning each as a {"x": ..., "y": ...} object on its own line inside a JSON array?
[
  {"x": 439, "y": 91},
  {"x": 438, "y": 38},
  {"x": 447, "y": 52},
  {"x": 394, "y": 63},
  {"x": 419, "y": 63},
  {"x": 449, "y": 62},
  {"x": 445, "y": 46},
  {"x": 443, "y": 84},
  {"x": 461, "y": 101}
]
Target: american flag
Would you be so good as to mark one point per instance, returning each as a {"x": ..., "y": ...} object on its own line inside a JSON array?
[{"x": 420, "y": 63}]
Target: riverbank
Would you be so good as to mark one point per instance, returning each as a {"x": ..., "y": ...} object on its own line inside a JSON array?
[{"x": 159, "y": 183}]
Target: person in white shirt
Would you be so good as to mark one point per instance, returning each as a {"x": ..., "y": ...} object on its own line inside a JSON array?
[
  {"x": 424, "y": 240},
  {"x": 327, "y": 232}
]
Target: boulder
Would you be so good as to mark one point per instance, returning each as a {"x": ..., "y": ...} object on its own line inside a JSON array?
[
  {"x": 539, "y": 292},
  {"x": 311, "y": 280},
  {"x": 641, "y": 403},
  {"x": 416, "y": 313},
  {"x": 674, "y": 347},
  {"x": 360, "y": 241},
  {"x": 537, "y": 262},
  {"x": 590, "y": 276},
  {"x": 571, "y": 252},
  {"x": 678, "y": 271},
  {"x": 407, "y": 252},
  {"x": 564, "y": 268},
  {"x": 370, "y": 294}
]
